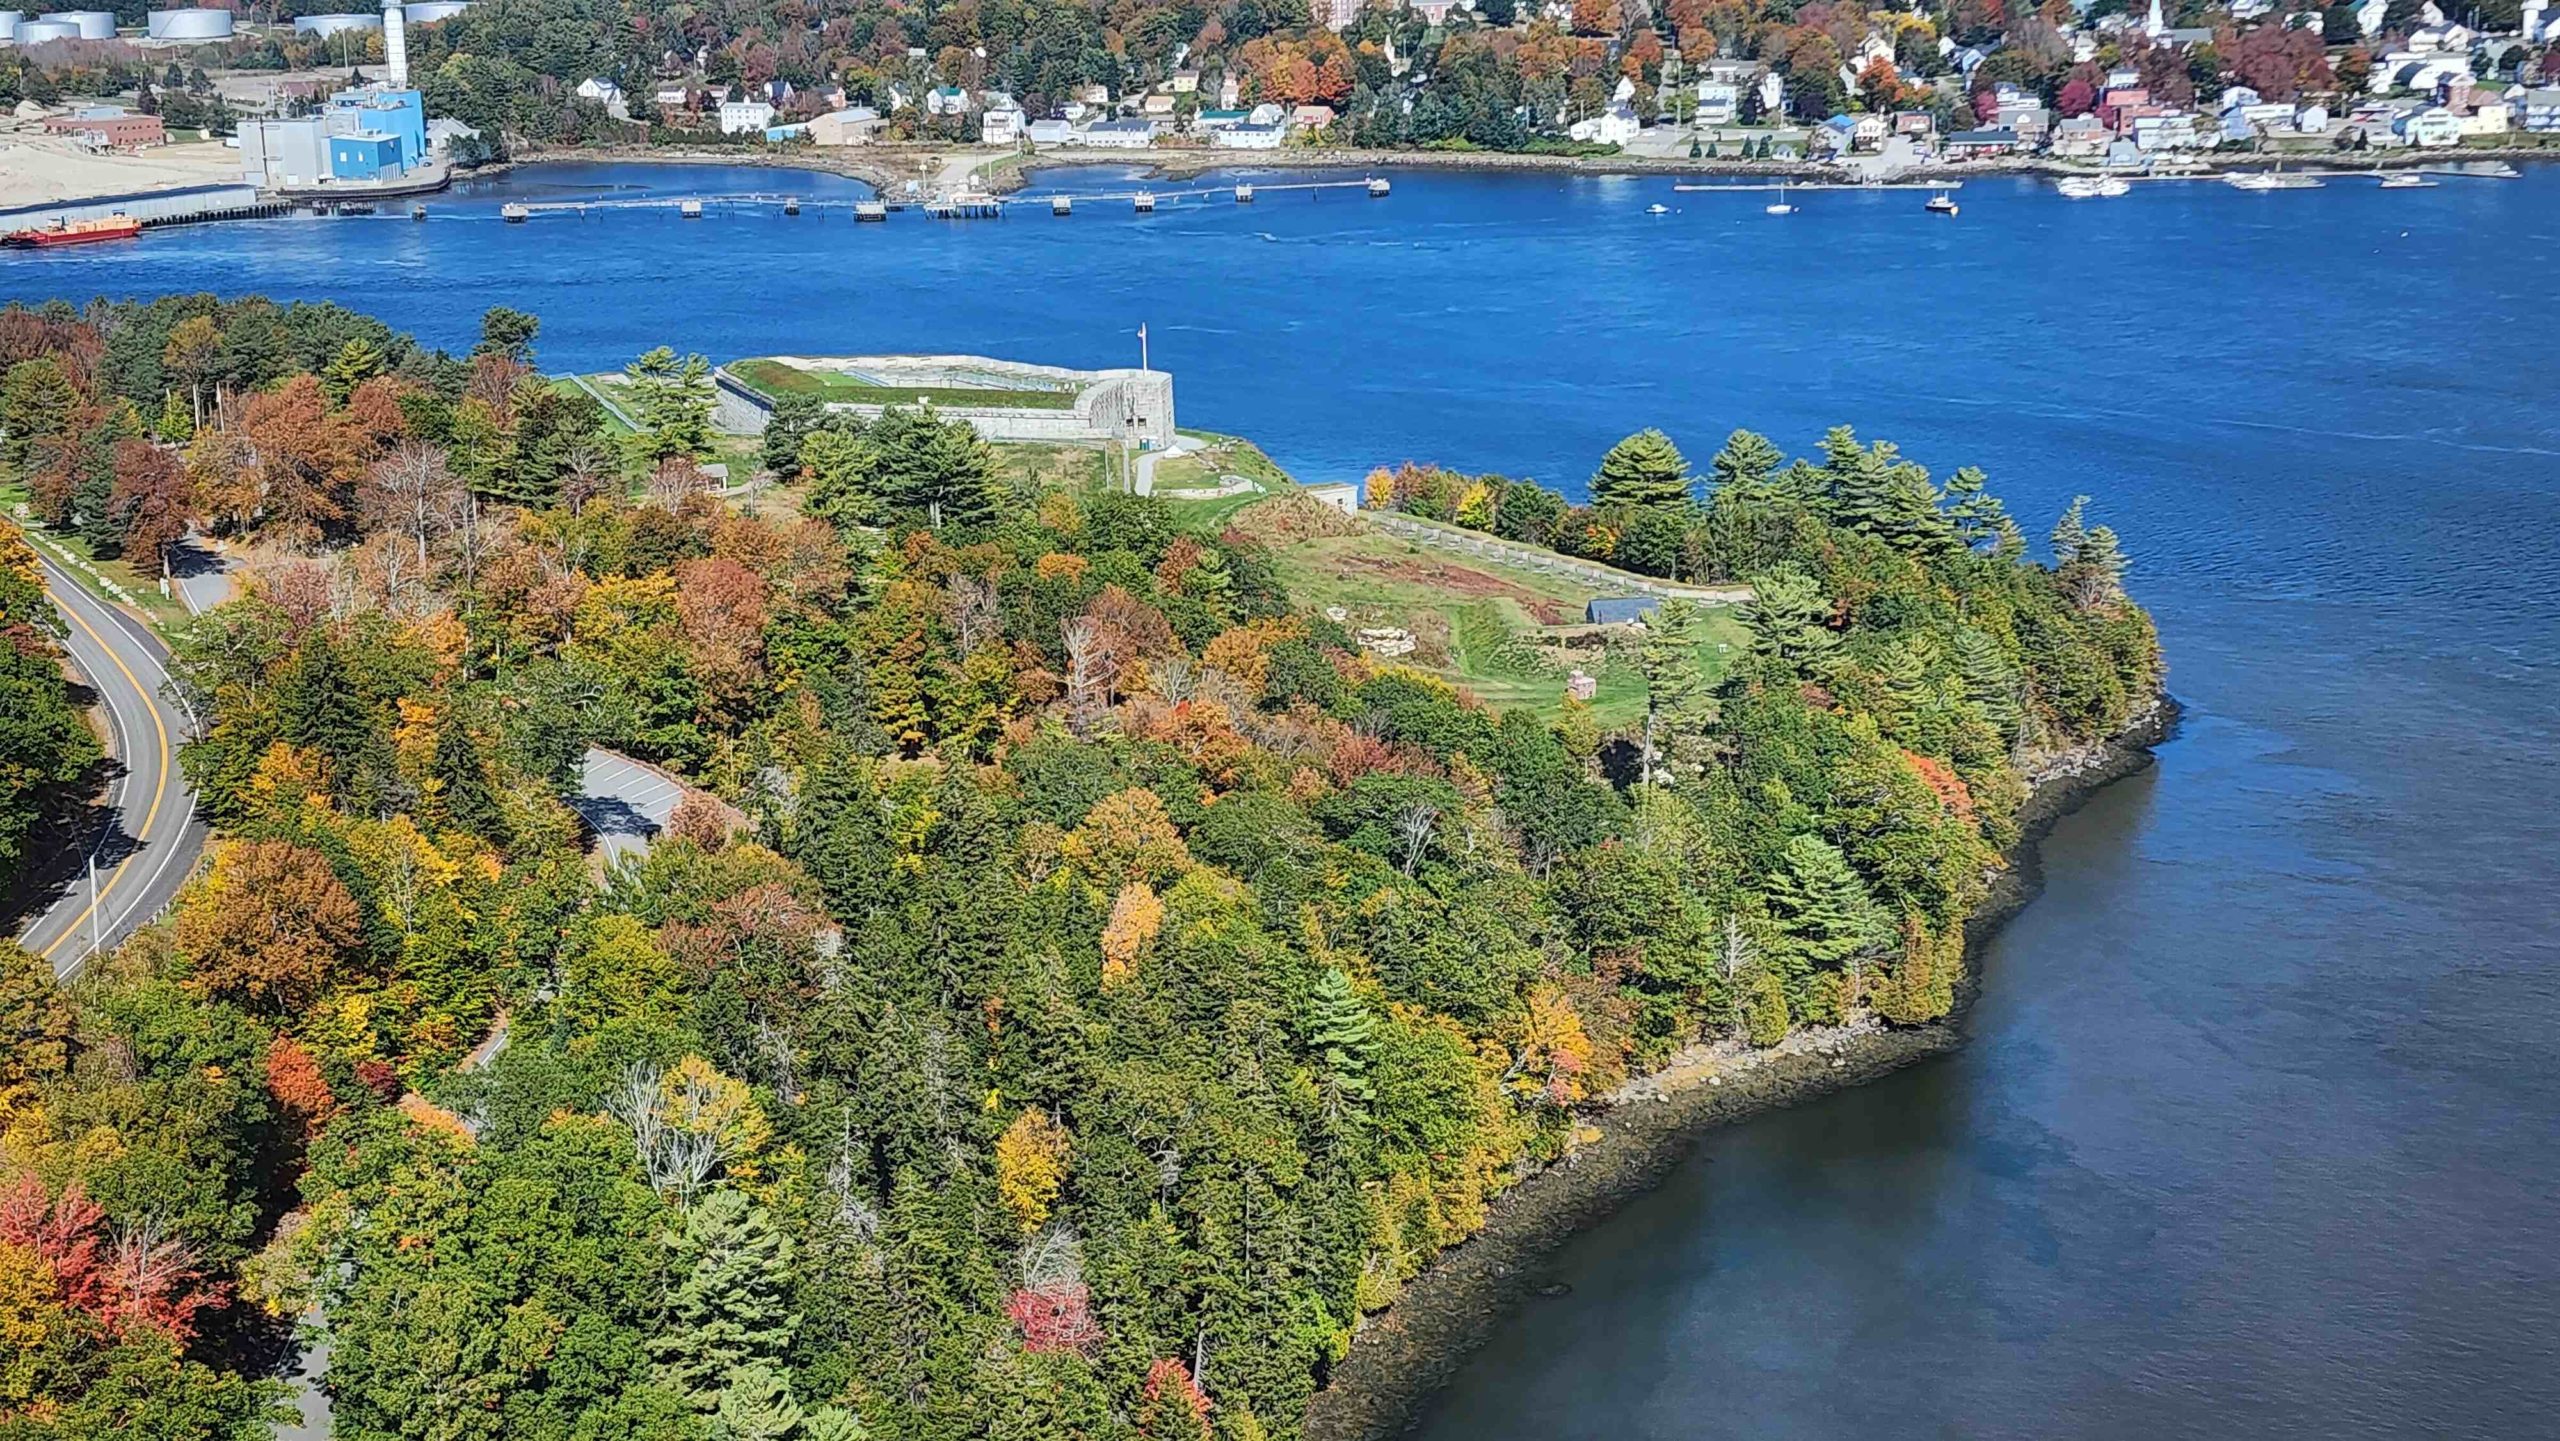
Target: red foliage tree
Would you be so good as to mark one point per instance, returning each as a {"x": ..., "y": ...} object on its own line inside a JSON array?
[
  {"x": 1055, "y": 1318},
  {"x": 1173, "y": 1407},
  {"x": 64, "y": 1232}
]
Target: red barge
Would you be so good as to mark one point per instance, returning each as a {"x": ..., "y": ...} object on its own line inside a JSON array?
[{"x": 77, "y": 232}]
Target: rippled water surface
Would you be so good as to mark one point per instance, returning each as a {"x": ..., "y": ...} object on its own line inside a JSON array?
[{"x": 2260, "y": 1131}]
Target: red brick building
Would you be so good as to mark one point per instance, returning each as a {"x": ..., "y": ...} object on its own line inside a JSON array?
[{"x": 118, "y": 131}]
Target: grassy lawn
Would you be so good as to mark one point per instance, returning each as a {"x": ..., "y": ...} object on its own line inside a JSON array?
[
  {"x": 1051, "y": 467},
  {"x": 1479, "y": 622},
  {"x": 143, "y": 584},
  {"x": 777, "y": 379}
]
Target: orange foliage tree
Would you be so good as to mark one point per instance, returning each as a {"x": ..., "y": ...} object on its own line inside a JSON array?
[{"x": 267, "y": 926}]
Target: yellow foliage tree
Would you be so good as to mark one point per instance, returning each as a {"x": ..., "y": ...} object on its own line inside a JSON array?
[
  {"x": 1031, "y": 1164},
  {"x": 1126, "y": 837},
  {"x": 1552, "y": 1061},
  {"x": 1136, "y": 916}
]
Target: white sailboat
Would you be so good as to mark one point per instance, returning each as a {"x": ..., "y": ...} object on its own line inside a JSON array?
[{"x": 1780, "y": 205}]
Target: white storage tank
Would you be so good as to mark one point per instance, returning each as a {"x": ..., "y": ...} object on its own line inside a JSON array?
[
  {"x": 429, "y": 12},
  {"x": 87, "y": 24},
  {"x": 9, "y": 23},
  {"x": 194, "y": 23},
  {"x": 37, "y": 32},
  {"x": 325, "y": 26}
]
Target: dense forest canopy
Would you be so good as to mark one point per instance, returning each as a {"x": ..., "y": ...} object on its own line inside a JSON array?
[{"x": 1085, "y": 984}]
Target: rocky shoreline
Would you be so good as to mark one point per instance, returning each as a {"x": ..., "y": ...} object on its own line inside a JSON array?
[{"x": 1408, "y": 1352}]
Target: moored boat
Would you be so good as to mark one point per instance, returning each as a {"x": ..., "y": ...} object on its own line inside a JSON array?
[{"x": 75, "y": 232}]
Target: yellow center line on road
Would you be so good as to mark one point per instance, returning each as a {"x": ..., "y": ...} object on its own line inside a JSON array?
[{"x": 158, "y": 791}]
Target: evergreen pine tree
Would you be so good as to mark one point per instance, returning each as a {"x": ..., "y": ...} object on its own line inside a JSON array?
[
  {"x": 1675, "y": 695},
  {"x": 756, "y": 1405},
  {"x": 2070, "y": 533},
  {"x": 1786, "y": 615},
  {"x": 2103, "y": 562},
  {"x": 794, "y": 416},
  {"x": 316, "y": 709},
  {"x": 1990, "y": 681},
  {"x": 1977, "y": 514},
  {"x": 1744, "y": 467},
  {"x": 730, "y": 1310},
  {"x": 1822, "y": 908},
  {"x": 1341, "y": 1033},
  {"x": 356, "y": 362},
  {"x": 462, "y": 788},
  {"x": 1644, "y": 470},
  {"x": 833, "y": 1423}
]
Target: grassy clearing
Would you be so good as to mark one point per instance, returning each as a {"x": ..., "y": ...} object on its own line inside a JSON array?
[
  {"x": 777, "y": 379},
  {"x": 1483, "y": 624},
  {"x": 1026, "y": 464}
]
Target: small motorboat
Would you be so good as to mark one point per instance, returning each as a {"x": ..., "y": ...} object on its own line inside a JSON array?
[
  {"x": 1941, "y": 204},
  {"x": 690, "y": 210},
  {"x": 514, "y": 213},
  {"x": 1145, "y": 201},
  {"x": 791, "y": 205},
  {"x": 1378, "y": 188},
  {"x": 2407, "y": 180},
  {"x": 1657, "y": 210},
  {"x": 1244, "y": 194},
  {"x": 2078, "y": 187}
]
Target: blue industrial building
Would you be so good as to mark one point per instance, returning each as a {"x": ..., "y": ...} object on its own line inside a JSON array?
[
  {"x": 365, "y": 155},
  {"x": 401, "y": 114}
]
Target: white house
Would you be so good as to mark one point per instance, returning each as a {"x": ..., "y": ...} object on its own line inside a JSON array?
[
  {"x": 740, "y": 117},
  {"x": 607, "y": 94},
  {"x": 2433, "y": 128},
  {"x": 1121, "y": 134},
  {"x": 1001, "y": 124},
  {"x": 946, "y": 100},
  {"x": 1250, "y": 137},
  {"x": 2174, "y": 131},
  {"x": 1773, "y": 93},
  {"x": 1719, "y": 102},
  {"x": 1613, "y": 126}
]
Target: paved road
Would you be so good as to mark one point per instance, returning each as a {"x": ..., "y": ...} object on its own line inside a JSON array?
[
  {"x": 627, "y": 803},
  {"x": 152, "y": 835}
]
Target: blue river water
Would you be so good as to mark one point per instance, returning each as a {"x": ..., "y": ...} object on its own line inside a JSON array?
[{"x": 2259, "y": 1134}]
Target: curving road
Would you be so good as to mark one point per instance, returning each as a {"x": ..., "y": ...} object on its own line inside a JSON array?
[{"x": 151, "y": 837}]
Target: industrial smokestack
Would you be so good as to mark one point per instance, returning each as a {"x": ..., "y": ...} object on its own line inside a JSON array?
[{"x": 395, "y": 45}]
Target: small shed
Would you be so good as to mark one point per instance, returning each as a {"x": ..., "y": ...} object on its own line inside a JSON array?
[{"x": 1620, "y": 610}]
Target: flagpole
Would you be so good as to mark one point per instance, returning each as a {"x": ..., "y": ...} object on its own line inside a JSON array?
[{"x": 1142, "y": 346}]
